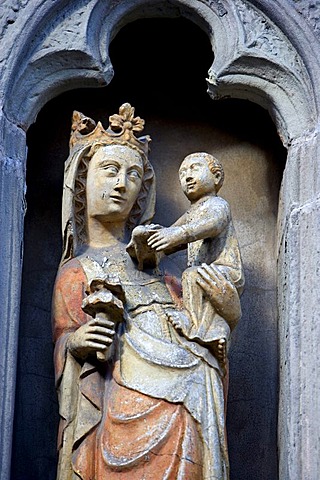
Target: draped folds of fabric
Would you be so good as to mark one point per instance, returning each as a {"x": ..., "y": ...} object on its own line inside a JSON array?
[{"x": 154, "y": 410}]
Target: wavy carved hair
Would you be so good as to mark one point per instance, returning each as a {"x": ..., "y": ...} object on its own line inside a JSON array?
[{"x": 80, "y": 191}]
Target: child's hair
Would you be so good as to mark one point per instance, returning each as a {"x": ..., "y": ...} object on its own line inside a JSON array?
[{"x": 213, "y": 164}]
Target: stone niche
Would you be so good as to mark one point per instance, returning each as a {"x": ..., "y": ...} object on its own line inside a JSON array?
[{"x": 181, "y": 118}]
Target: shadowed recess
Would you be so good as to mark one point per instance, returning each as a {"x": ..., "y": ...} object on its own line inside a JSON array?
[{"x": 160, "y": 68}]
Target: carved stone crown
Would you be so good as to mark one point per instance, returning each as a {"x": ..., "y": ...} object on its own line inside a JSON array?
[{"x": 121, "y": 131}]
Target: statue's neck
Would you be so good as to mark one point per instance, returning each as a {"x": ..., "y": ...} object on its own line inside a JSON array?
[{"x": 105, "y": 234}]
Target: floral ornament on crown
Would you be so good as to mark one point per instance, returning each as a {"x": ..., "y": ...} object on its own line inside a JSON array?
[
  {"x": 126, "y": 120},
  {"x": 122, "y": 129},
  {"x": 82, "y": 124}
]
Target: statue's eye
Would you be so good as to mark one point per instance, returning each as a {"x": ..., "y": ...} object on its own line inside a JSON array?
[
  {"x": 111, "y": 170},
  {"x": 134, "y": 174}
]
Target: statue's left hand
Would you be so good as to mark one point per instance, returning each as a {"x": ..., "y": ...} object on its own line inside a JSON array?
[
  {"x": 221, "y": 292},
  {"x": 166, "y": 238},
  {"x": 96, "y": 336}
]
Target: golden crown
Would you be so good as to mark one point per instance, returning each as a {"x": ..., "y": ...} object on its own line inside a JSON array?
[{"x": 121, "y": 131}]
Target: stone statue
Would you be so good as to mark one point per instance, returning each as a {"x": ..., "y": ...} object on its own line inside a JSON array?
[
  {"x": 208, "y": 230},
  {"x": 140, "y": 395}
]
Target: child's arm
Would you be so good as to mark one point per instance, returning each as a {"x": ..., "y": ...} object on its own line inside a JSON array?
[{"x": 204, "y": 221}]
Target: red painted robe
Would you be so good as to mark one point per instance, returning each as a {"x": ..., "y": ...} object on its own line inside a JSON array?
[{"x": 107, "y": 430}]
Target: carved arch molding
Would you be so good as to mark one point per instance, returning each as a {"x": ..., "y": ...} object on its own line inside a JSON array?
[{"x": 264, "y": 52}]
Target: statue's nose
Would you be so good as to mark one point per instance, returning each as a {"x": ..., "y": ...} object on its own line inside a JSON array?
[{"x": 121, "y": 183}]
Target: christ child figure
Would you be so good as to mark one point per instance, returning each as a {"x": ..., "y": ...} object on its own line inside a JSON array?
[{"x": 207, "y": 230}]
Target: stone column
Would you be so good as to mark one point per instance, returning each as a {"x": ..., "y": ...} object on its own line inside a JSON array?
[
  {"x": 299, "y": 313},
  {"x": 12, "y": 209}
]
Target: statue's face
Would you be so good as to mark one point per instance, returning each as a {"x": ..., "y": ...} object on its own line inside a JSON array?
[
  {"x": 197, "y": 179},
  {"x": 113, "y": 183}
]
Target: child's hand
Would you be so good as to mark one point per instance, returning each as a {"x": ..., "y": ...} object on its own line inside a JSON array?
[
  {"x": 221, "y": 293},
  {"x": 166, "y": 238}
]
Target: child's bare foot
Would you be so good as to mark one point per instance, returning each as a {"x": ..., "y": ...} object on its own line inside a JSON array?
[
  {"x": 219, "y": 350},
  {"x": 179, "y": 321},
  {"x": 222, "y": 351}
]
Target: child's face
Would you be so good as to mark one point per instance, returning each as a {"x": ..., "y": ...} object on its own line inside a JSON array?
[{"x": 197, "y": 179}]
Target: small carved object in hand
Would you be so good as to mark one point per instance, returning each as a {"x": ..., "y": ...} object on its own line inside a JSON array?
[{"x": 105, "y": 300}]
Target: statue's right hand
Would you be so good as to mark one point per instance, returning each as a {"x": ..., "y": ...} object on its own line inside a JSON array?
[{"x": 94, "y": 336}]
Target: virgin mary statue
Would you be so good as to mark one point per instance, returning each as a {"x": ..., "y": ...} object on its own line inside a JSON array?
[{"x": 137, "y": 400}]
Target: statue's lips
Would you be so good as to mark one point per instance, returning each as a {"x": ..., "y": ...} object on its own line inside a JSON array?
[
  {"x": 191, "y": 185},
  {"x": 118, "y": 198}
]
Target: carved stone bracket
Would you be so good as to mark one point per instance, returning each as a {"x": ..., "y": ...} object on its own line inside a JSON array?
[{"x": 262, "y": 62}]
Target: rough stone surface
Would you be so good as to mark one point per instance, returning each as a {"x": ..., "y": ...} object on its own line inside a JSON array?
[
  {"x": 12, "y": 189},
  {"x": 310, "y": 9},
  {"x": 37, "y": 63},
  {"x": 12, "y": 198},
  {"x": 299, "y": 407},
  {"x": 69, "y": 48}
]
